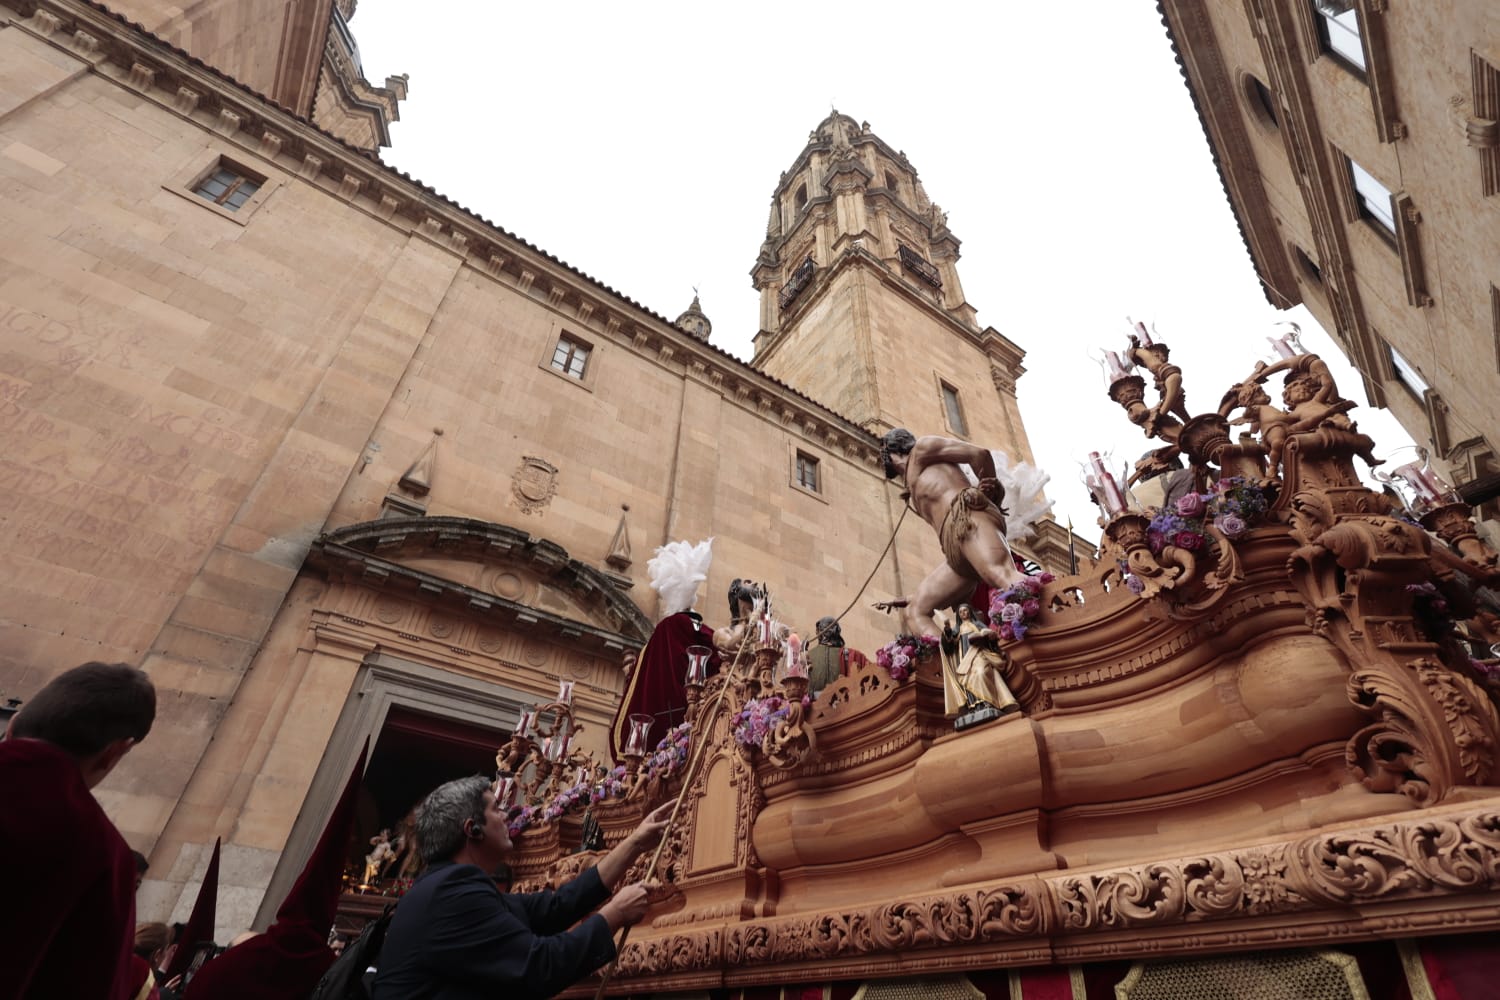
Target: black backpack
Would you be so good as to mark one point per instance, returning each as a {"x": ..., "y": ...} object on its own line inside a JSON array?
[{"x": 345, "y": 978}]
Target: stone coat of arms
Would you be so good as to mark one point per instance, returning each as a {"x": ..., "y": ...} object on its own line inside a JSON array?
[{"x": 534, "y": 483}]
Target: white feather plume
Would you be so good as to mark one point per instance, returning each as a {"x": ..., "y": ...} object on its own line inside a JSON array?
[
  {"x": 1024, "y": 501},
  {"x": 676, "y": 571}
]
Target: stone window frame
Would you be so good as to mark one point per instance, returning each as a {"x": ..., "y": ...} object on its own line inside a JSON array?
[
  {"x": 946, "y": 388},
  {"x": 590, "y": 365},
  {"x": 806, "y": 471},
  {"x": 383, "y": 682},
  {"x": 798, "y": 450},
  {"x": 185, "y": 184},
  {"x": 1261, "y": 106},
  {"x": 1401, "y": 236},
  {"x": 1375, "y": 48}
]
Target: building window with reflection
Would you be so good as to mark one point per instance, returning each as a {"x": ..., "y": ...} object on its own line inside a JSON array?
[
  {"x": 953, "y": 409},
  {"x": 1407, "y": 374},
  {"x": 571, "y": 356},
  {"x": 1338, "y": 29},
  {"x": 806, "y": 472},
  {"x": 228, "y": 186},
  {"x": 1374, "y": 201}
]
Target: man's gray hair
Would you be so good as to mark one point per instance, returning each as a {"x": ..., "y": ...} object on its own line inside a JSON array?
[{"x": 441, "y": 816}]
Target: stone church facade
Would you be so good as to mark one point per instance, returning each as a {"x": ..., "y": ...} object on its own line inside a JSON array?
[{"x": 336, "y": 459}]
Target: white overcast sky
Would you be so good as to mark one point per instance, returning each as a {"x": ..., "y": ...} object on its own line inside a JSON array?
[{"x": 641, "y": 143}]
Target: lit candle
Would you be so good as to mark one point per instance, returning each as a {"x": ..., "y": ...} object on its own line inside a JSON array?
[
  {"x": 795, "y": 665},
  {"x": 565, "y": 693},
  {"x": 1140, "y": 332},
  {"x": 1118, "y": 367},
  {"x": 1114, "y": 500},
  {"x": 1281, "y": 347}
]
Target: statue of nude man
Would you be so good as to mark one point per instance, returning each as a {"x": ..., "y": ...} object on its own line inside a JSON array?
[{"x": 968, "y": 519}]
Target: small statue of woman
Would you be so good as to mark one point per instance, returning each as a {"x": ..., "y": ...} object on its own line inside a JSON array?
[{"x": 973, "y": 677}]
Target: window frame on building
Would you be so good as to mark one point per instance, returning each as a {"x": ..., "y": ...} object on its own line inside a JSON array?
[
  {"x": 562, "y": 346},
  {"x": 807, "y": 471},
  {"x": 189, "y": 183},
  {"x": 567, "y": 349},
  {"x": 1336, "y": 22},
  {"x": 952, "y": 404},
  {"x": 1407, "y": 374}
]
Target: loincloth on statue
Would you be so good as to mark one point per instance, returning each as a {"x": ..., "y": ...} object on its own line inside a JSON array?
[{"x": 958, "y": 525}]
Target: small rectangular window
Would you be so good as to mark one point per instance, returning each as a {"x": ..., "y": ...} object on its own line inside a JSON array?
[
  {"x": 807, "y": 472},
  {"x": 571, "y": 357},
  {"x": 228, "y": 186},
  {"x": 1374, "y": 200},
  {"x": 1338, "y": 26},
  {"x": 953, "y": 410},
  {"x": 1407, "y": 374}
]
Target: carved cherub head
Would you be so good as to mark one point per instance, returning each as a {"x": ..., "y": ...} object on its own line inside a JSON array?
[{"x": 1300, "y": 388}]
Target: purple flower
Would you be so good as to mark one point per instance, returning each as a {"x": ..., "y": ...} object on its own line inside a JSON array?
[
  {"x": 1190, "y": 540},
  {"x": 1032, "y": 608},
  {"x": 1011, "y": 613},
  {"x": 1232, "y": 525},
  {"x": 1190, "y": 505},
  {"x": 1135, "y": 583}
]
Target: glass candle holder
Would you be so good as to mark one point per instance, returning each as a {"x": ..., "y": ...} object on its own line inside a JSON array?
[
  {"x": 640, "y": 733},
  {"x": 697, "y": 665}
]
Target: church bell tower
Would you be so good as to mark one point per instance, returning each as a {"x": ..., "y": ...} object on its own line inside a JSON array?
[{"x": 861, "y": 304}]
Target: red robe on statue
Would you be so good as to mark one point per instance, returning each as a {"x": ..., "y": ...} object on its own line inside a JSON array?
[
  {"x": 656, "y": 687},
  {"x": 68, "y": 923}
]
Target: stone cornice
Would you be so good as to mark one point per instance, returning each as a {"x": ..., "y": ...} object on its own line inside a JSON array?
[{"x": 186, "y": 87}]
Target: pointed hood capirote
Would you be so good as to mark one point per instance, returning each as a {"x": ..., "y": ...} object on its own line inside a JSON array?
[
  {"x": 292, "y": 955},
  {"x": 199, "y": 928}
]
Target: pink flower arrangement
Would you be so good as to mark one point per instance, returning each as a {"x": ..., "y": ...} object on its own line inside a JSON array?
[
  {"x": 759, "y": 717},
  {"x": 1013, "y": 609},
  {"x": 1231, "y": 525},
  {"x": 901, "y": 655}
]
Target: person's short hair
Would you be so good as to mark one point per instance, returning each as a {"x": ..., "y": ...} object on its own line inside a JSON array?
[
  {"x": 85, "y": 709},
  {"x": 441, "y": 817},
  {"x": 898, "y": 441},
  {"x": 149, "y": 939}
]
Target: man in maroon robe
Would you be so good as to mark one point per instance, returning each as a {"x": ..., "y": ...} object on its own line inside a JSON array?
[{"x": 68, "y": 922}]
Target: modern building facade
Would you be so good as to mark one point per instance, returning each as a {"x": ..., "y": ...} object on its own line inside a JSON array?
[{"x": 1359, "y": 147}]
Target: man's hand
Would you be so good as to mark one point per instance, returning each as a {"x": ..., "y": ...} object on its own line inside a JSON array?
[
  {"x": 648, "y": 834},
  {"x": 991, "y": 488},
  {"x": 627, "y": 906},
  {"x": 891, "y": 605}
]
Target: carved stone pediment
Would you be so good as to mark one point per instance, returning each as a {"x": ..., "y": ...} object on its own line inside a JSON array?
[{"x": 486, "y": 569}]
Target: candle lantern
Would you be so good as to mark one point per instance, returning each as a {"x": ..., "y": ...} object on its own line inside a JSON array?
[
  {"x": 565, "y": 693},
  {"x": 505, "y": 792},
  {"x": 640, "y": 734},
  {"x": 524, "y": 724},
  {"x": 1102, "y": 483},
  {"x": 697, "y": 666}
]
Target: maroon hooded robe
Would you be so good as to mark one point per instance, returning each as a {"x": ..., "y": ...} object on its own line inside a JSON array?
[
  {"x": 656, "y": 687},
  {"x": 291, "y": 956}
]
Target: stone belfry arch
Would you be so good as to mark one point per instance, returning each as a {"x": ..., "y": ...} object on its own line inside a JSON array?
[{"x": 861, "y": 304}]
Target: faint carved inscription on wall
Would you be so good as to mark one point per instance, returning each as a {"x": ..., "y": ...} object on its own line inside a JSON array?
[{"x": 534, "y": 483}]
